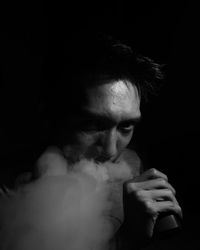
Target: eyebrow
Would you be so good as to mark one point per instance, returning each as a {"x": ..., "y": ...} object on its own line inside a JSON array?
[
  {"x": 135, "y": 120},
  {"x": 94, "y": 116}
]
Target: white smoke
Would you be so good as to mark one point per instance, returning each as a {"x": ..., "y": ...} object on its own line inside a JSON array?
[{"x": 68, "y": 208}]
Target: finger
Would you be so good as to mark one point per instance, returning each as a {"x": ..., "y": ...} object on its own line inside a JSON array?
[
  {"x": 159, "y": 183},
  {"x": 151, "y": 174},
  {"x": 166, "y": 207},
  {"x": 161, "y": 195},
  {"x": 155, "y": 195}
]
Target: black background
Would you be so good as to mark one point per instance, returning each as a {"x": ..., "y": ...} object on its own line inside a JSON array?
[{"x": 169, "y": 135}]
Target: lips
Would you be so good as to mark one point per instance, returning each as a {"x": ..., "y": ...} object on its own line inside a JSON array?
[{"x": 106, "y": 158}]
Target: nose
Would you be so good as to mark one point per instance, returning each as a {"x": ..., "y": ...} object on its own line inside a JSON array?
[{"x": 110, "y": 144}]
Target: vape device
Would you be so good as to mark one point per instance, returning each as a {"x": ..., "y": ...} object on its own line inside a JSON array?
[{"x": 167, "y": 224}]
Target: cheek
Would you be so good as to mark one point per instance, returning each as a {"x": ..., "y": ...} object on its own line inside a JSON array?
[
  {"x": 123, "y": 141},
  {"x": 86, "y": 139},
  {"x": 88, "y": 144}
]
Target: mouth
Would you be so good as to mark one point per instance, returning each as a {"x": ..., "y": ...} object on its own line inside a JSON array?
[{"x": 103, "y": 159}]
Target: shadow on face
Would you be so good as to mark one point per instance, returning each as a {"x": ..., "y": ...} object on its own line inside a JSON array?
[{"x": 106, "y": 122}]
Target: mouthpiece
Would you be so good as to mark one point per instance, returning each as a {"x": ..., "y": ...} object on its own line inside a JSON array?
[{"x": 167, "y": 224}]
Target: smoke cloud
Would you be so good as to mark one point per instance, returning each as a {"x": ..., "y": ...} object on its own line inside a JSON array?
[{"x": 69, "y": 207}]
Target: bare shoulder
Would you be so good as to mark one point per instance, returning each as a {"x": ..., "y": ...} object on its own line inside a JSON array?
[{"x": 133, "y": 160}]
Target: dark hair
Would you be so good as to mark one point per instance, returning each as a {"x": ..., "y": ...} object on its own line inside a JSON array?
[{"x": 90, "y": 59}]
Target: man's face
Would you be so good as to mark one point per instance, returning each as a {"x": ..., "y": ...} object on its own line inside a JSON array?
[{"x": 109, "y": 117}]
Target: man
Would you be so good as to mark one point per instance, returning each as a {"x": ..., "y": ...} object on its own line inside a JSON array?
[
  {"x": 107, "y": 82},
  {"x": 92, "y": 112}
]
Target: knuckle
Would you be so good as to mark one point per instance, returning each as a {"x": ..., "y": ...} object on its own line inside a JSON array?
[
  {"x": 131, "y": 187},
  {"x": 170, "y": 195},
  {"x": 169, "y": 192},
  {"x": 163, "y": 182},
  {"x": 154, "y": 171},
  {"x": 180, "y": 212},
  {"x": 178, "y": 209},
  {"x": 139, "y": 194},
  {"x": 166, "y": 178},
  {"x": 149, "y": 208}
]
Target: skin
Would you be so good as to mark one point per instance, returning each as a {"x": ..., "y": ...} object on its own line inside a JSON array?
[
  {"x": 145, "y": 198},
  {"x": 106, "y": 128},
  {"x": 110, "y": 115}
]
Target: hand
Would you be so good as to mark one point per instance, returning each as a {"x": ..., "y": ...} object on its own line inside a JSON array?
[{"x": 145, "y": 198}]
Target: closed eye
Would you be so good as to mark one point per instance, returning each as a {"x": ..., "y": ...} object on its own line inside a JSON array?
[
  {"x": 126, "y": 128},
  {"x": 129, "y": 125}
]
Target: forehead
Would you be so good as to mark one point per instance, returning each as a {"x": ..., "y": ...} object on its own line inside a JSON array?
[{"x": 116, "y": 99}]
